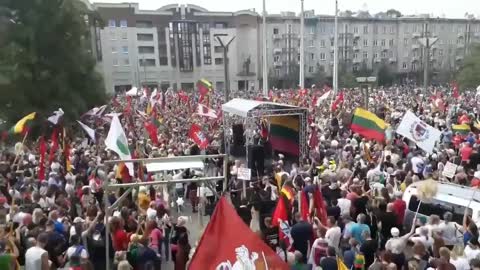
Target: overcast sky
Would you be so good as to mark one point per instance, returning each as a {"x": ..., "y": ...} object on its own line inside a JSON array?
[{"x": 449, "y": 8}]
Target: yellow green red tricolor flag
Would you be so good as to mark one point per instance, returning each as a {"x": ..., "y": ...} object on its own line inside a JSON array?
[
  {"x": 462, "y": 129},
  {"x": 368, "y": 125},
  {"x": 22, "y": 126}
]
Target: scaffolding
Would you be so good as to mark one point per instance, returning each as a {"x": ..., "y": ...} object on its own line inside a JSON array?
[{"x": 129, "y": 186}]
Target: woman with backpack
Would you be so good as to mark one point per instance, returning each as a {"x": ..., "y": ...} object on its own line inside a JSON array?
[{"x": 76, "y": 254}]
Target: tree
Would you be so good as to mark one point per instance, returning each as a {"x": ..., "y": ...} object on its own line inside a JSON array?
[
  {"x": 393, "y": 13},
  {"x": 46, "y": 59},
  {"x": 319, "y": 78},
  {"x": 469, "y": 73},
  {"x": 384, "y": 76}
]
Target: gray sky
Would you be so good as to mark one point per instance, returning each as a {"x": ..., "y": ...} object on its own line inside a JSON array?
[{"x": 449, "y": 8}]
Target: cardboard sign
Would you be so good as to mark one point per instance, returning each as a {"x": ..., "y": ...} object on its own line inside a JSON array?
[
  {"x": 449, "y": 170},
  {"x": 244, "y": 174}
]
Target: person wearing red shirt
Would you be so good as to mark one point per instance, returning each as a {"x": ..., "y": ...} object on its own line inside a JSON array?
[
  {"x": 465, "y": 153},
  {"x": 399, "y": 207},
  {"x": 119, "y": 236},
  {"x": 457, "y": 140}
]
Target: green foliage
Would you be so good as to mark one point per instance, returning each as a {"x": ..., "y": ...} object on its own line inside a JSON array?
[
  {"x": 385, "y": 77},
  {"x": 469, "y": 73},
  {"x": 46, "y": 59}
]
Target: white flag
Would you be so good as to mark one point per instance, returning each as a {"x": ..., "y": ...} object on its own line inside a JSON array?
[
  {"x": 424, "y": 135},
  {"x": 117, "y": 142},
  {"x": 323, "y": 97},
  {"x": 88, "y": 130},
  {"x": 57, "y": 115},
  {"x": 203, "y": 110},
  {"x": 132, "y": 92}
]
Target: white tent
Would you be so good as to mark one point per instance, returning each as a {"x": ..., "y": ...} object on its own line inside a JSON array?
[
  {"x": 241, "y": 107},
  {"x": 174, "y": 165}
]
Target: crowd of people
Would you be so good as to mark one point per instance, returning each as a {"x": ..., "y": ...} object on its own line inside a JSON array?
[{"x": 60, "y": 222}]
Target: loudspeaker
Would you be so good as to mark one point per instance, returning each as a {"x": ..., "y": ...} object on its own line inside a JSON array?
[
  {"x": 238, "y": 138},
  {"x": 256, "y": 158}
]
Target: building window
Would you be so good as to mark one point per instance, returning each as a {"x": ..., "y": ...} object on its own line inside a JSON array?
[
  {"x": 147, "y": 62},
  {"x": 391, "y": 42},
  {"x": 220, "y": 25},
  {"x": 355, "y": 55},
  {"x": 146, "y": 49},
  {"x": 207, "y": 53},
  {"x": 219, "y": 61},
  {"x": 276, "y": 58},
  {"x": 126, "y": 62},
  {"x": 365, "y": 29},
  {"x": 322, "y": 56},
  {"x": 384, "y": 29},
  {"x": 114, "y": 49},
  {"x": 332, "y": 42},
  {"x": 125, "y": 49},
  {"x": 322, "y": 43},
  {"x": 312, "y": 30},
  {"x": 113, "y": 36},
  {"x": 123, "y": 23},
  {"x": 365, "y": 55},
  {"x": 405, "y": 41},
  {"x": 144, "y": 24},
  {"x": 322, "y": 29},
  {"x": 355, "y": 30},
  {"x": 163, "y": 61},
  {"x": 384, "y": 54},
  {"x": 310, "y": 69},
  {"x": 111, "y": 23},
  {"x": 124, "y": 35},
  {"x": 310, "y": 43},
  {"x": 383, "y": 43},
  {"x": 440, "y": 52},
  {"x": 375, "y": 43},
  {"x": 415, "y": 28},
  {"x": 355, "y": 67},
  {"x": 390, "y": 53},
  {"x": 375, "y": 29},
  {"x": 414, "y": 66},
  {"x": 392, "y": 29},
  {"x": 404, "y": 65},
  {"x": 365, "y": 43},
  {"x": 375, "y": 55},
  {"x": 115, "y": 62},
  {"x": 277, "y": 72},
  {"x": 355, "y": 42},
  {"x": 182, "y": 33},
  {"x": 312, "y": 56},
  {"x": 275, "y": 31},
  {"x": 145, "y": 37}
]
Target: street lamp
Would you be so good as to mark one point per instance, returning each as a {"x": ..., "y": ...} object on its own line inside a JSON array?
[{"x": 225, "y": 46}]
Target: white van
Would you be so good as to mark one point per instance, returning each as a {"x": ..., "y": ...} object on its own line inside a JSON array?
[{"x": 449, "y": 198}]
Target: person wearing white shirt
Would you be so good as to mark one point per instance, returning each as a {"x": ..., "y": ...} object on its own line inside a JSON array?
[
  {"x": 458, "y": 259},
  {"x": 423, "y": 238},
  {"x": 344, "y": 204},
  {"x": 472, "y": 250},
  {"x": 36, "y": 257},
  {"x": 450, "y": 231},
  {"x": 333, "y": 234}
]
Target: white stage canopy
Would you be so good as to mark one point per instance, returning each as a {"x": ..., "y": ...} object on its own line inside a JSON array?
[{"x": 241, "y": 107}]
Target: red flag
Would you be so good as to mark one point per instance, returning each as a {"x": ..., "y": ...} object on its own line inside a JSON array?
[
  {"x": 54, "y": 147},
  {"x": 129, "y": 105},
  {"x": 183, "y": 96},
  {"x": 196, "y": 134},
  {"x": 318, "y": 205},
  {"x": 456, "y": 93},
  {"x": 42, "y": 151},
  {"x": 233, "y": 242},
  {"x": 313, "y": 141},
  {"x": 152, "y": 132},
  {"x": 337, "y": 101}
]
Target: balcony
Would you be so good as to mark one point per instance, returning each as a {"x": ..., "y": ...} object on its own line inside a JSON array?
[
  {"x": 460, "y": 46},
  {"x": 277, "y": 51},
  {"x": 356, "y": 48},
  {"x": 356, "y": 35},
  {"x": 415, "y": 59},
  {"x": 392, "y": 60},
  {"x": 417, "y": 34},
  {"x": 461, "y": 35},
  {"x": 459, "y": 58},
  {"x": 277, "y": 36},
  {"x": 378, "y": 60},
  {"x": 278, "y": 64},
  {"x": 415, "y": 47},
  {"x": 291, "y": 36},
  {"x": 357, "y": 61}
]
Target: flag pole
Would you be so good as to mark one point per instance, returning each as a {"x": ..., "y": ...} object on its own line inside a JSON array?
[
  {"x": 302, "y": 48},
  {"x": 335, "y": 54},
  {"x": 23, "y": 142}
]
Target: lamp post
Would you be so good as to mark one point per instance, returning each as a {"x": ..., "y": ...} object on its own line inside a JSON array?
[
  {"x": 225, "y": 46},
  {"x": 264, "y": 70},
  {"x": 302, "y": 48}
]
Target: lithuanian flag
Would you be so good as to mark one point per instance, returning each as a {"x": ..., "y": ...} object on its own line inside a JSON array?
[
  {"x": 463, "y": 129},
  {"x": 284, "y": 134},
  {"x": 368, "y": 125},
  {"x": 22, "y": 126}
]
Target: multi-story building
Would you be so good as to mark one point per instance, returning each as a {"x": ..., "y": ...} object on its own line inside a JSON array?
[{"x": 176, "y": 45}]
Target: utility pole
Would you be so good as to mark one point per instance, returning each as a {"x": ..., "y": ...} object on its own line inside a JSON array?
[
  {"x": 302, "y": 48},
  {"x": 335, "y": 53},
  {"x": 225, "y": 62},
  {"x": 426, "y": 41},
  {"x": 265, "y": 72}
]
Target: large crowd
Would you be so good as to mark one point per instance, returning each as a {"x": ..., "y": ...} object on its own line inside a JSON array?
[{"x": 60, "y": 222}]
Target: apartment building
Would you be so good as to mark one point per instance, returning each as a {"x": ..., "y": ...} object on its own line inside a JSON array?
[{"x": 176, "y": 45}]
